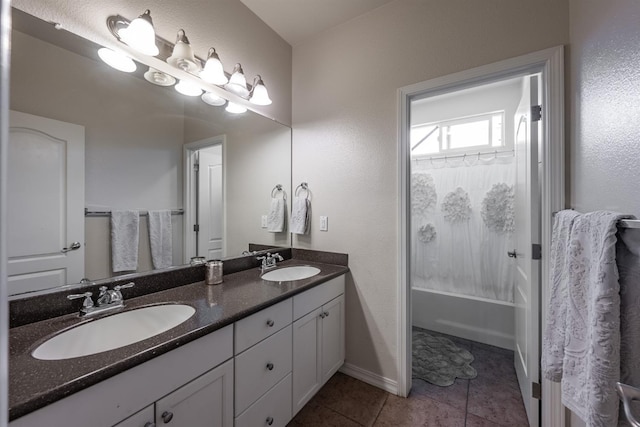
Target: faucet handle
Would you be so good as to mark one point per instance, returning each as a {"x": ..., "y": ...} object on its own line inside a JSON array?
[
  {"x": 87, "y": 303},
  {"x": 125, "y": 286}
]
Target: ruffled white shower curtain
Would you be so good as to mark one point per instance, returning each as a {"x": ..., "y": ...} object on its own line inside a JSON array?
[{"x": 465, "y": 257}]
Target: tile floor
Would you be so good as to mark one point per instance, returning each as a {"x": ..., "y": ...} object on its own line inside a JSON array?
[{"x": 491, "y": 399}]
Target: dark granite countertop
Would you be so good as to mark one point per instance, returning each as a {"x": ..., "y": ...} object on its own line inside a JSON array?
[{"x": 36, "y": 383}]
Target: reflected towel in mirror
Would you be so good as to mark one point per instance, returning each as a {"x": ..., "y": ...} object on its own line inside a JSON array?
[
  {"x": 275, "y": 219},
  {"x": 160, "y": 238},
  {"x": 124, "y": 240}
]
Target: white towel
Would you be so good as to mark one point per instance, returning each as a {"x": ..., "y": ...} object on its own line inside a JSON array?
[
  {"x": 160, "y": 238},
  {"x": 591, "y": 364},
  {"x": 554, "y": 333},
  {"x": 275, "y": 219},
  {"x": 125, "y": 235},
  {"x": 301, "y": 216}
]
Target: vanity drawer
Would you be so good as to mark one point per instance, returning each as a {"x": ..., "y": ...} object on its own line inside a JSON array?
[
  {"x": 253, "y": 329},
  {"x": 261, "y": 367},
  {"x": 309, "y": 300},
  {"x": 274, "y": 406}
]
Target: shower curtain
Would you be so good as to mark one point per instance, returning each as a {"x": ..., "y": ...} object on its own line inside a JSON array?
[{"x": 462, "y": 225}]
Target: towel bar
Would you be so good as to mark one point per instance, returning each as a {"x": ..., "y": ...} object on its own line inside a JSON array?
[
  {"x": 623, "y": 223},
  {"x": 87, "y": 212}
]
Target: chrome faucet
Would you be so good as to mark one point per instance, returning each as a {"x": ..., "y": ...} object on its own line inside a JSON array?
[
  {"x": 269, "y": 261},
  {"x": 108, "y": 299}
]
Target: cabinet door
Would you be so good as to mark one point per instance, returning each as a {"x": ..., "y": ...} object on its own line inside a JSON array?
[
  {"x": 332, "y": 337},
  {"x": 307, "y": 375},
  {"x": 206, "y": 401},
  {"x": 143, "y": 418}
]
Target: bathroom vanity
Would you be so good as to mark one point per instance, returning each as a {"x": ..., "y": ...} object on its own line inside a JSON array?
[{"x": 254, "y": 353}]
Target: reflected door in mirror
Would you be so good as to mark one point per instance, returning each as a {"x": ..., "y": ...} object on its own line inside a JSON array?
[{"x": 209, "y": 202}]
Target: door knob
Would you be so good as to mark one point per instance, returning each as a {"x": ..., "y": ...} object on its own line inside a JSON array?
[
  {"x": 512, "y": 254},
  {"x": 73, "y": 247}
]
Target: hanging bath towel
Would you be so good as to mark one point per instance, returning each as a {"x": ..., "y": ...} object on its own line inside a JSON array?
[
  {"x": 160, "y": 238},
  {"x": 125, "y": 235},
  {"x": 275, "y": 219},
  {"x": 301, "y": 216}
]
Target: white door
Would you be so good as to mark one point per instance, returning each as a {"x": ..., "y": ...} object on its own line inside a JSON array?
[
  {"x": 527, "y": 216},
  {"x": 210, "y": 202},
  {"x": 45, "y": 226}
]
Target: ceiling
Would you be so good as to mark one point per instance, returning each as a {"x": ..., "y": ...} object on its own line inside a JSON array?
[{"x": 297, "y": 20}]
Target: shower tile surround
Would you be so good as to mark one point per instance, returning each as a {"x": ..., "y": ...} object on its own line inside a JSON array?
[
  {"x": 34, "y": 319},
  {"x": 492, "y": 399}
]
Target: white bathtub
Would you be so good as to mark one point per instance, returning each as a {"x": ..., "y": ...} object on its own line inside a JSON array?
[{"x": 478, "y": 319}]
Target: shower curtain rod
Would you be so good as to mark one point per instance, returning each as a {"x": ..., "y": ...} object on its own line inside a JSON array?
[{"x": 457, "y": 156}]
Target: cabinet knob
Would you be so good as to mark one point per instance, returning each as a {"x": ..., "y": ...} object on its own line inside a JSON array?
[
  {"x": 322, "y": 315},
  {"x": 269, "y": 420},
  {"x": 326, "y": 314},
  {"x": 150, "y": 424},
  {"x": 270, "y": 323},
  {"x": 270, "y": 366},
  {"x": 167, "y": 417}
]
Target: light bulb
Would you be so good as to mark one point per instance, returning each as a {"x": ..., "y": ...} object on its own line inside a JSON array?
[
  {"x": 159, "y": 78},
  {"x": 238, "y": 83},
  {"x": 187, "y": 88},
  {"x": 235, "y": 108},
  {"x": 117, "y": 60},
  {"x": 213, "y": 99},
  {"x": 182, "y": 56},
  {"x": 259, "y": 94},
  {"x": 213, "y": 72},
  {"x": 140, "y": 35}
]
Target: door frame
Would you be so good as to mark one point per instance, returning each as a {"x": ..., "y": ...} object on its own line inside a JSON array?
[
  {"x": 189, "y": 151},
  {"x": 550, "y": 63}
]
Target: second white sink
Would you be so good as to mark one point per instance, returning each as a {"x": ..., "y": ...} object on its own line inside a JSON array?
[
  {"x": 115, "y": 331},
  {"x": 291, "y": 273}
]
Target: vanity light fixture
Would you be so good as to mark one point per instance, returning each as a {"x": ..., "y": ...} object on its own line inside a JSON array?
[
  {"x": 182, "y": 56},
  {"x": 234, "y": 108},
  {"x": 213, "y": 72},
  {"x": 237, "y": 82},
  {"x": 259, "y": 94},
  {"x": 188, "y": 88},
  {"x": 140, "y": 35},
  {"x": 117, "y": 60},
  {"x": 159, "y": 78},
  {"x": 213, "y": 99}
]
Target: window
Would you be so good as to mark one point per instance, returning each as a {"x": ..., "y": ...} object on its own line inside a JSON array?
[{"x": 482, "y": 132}]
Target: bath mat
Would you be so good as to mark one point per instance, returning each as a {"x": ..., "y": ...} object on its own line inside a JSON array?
[{"x": 438, "y": 360}]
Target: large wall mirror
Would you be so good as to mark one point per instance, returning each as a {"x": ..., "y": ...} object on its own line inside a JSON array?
[{"x": 87, "y": 140}]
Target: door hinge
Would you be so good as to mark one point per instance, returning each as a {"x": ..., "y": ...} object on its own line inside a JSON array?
[
  {"x": 536, "y": 391},
  {"x": 196, "y": 227},
  {"x": 536, "y": 113},
  {"x": 536, "y": 251},
  {"x": 196, "y": 166}
]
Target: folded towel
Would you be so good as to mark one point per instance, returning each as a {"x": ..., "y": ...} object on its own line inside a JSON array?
[
  {"x": 160, "y": 238},
  {"x": 591, "y": 364},
  {"x": 124, "y": 240},
  {"x": 275, "y": 219},
  {"x": 301, "y": 216},
  {"x": 554, "y": 333}
]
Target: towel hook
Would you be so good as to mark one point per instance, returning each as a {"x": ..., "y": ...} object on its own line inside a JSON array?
[
  {"x": 302, "y": 187},
  {"x": 277, "y": 189}
]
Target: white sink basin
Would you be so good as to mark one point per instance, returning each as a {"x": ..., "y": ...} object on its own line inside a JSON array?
[
  {"x": 113, "y": 332},
  {"x": 291, "y": 273}
]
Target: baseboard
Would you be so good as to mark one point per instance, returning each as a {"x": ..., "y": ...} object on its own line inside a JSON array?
[{"x": 368, "y": 377}]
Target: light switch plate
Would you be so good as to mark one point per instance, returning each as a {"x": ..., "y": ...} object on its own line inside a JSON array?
[
  {"x": 264, "y": 221},
  {"x": 324, "y": 223}
]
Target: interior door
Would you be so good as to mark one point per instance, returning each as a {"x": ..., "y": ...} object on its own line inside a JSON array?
[
  {"x": 527, "y": 217},
  {"x": 45, "y": 226},
  {"x": 210, "y": 202}
]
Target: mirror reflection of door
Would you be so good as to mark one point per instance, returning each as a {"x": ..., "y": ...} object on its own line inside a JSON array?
[
  {"x": 209, "y": 202},
  {"x": 45, "y": 233}
]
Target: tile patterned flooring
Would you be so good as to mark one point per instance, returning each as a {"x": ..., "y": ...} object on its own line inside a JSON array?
[{"x": 492, "y": 399}]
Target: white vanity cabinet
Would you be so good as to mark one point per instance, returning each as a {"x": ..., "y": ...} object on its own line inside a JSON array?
[{"x": 318, "y": 339}]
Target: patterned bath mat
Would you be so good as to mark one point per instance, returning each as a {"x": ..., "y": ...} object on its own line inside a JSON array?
[{"x": 438, "y": 360}]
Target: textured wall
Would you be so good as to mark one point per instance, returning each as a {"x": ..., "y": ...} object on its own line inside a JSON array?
[
  {"x": 605, "y": 104},
  {"x": 345, "y": 132},
  {"x": 237, "y": 34}
]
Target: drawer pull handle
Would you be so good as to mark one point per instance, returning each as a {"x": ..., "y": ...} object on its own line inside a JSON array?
[
  {"x": 167, "y": 417},
  {"x": 269, "y": 420},
  {"x": 270, "y": 366},
  {"x": 270, "y": 323}
]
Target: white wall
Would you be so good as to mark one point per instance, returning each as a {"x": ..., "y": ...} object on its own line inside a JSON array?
[
  {"x": 228, "y": 25},
  {"x": 345, "y": 132},
  {"x": 603, "y": 96}
]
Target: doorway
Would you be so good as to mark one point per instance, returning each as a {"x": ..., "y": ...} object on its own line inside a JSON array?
[
  {"x": 533, "y": 202},
  {"x": 204, "y": 199}
]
